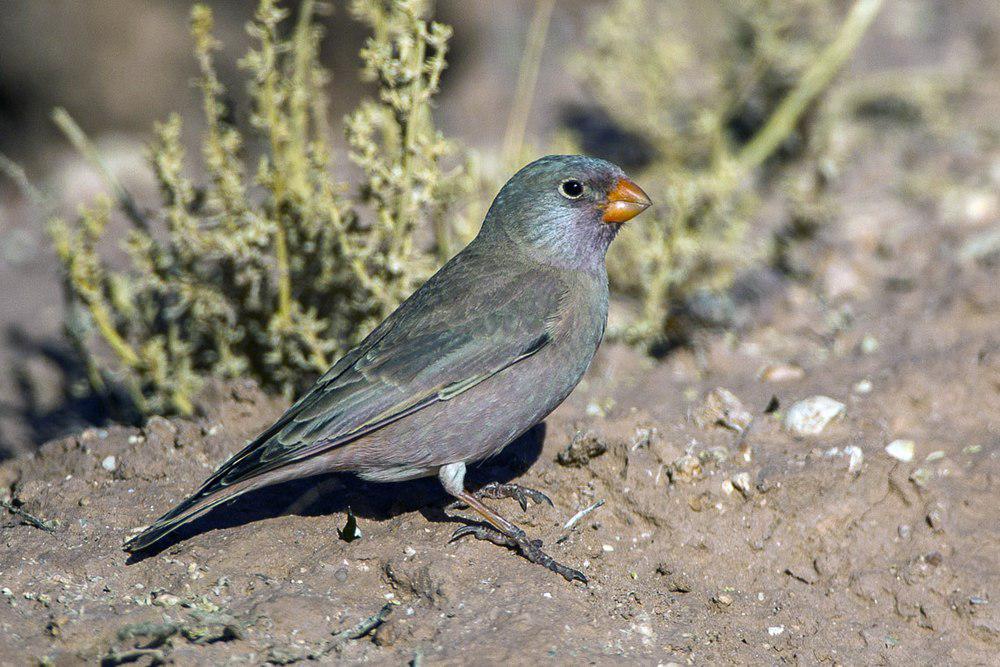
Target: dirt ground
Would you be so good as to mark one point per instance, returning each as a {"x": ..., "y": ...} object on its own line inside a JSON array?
[
  {"x": 716, "y": 542},
  {"x": 760, "y": 546}
]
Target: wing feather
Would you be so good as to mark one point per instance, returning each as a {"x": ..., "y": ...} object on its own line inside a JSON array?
[{"x": 437, "y": 345}]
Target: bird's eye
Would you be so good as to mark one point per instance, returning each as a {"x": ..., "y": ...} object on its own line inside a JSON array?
[{"x": 571, "y": 189}]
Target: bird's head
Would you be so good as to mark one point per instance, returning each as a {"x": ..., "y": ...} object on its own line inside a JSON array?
[{"x": 565, "y": 209}]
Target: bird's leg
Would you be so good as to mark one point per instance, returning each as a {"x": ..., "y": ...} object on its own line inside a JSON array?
[
  {"x": 498, "y": 491},
  {"x": 499, "y": 531}
]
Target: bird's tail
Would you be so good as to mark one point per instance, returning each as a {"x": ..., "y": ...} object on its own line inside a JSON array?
[{"x": 182, "y": 514}]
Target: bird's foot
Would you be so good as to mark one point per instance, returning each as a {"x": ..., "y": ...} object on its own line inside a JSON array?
[
  {"x": 497, "y": 491},
  {"x": 519, "y": 542}
]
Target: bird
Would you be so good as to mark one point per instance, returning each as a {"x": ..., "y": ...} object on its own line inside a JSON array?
[{"x": 483, "y": 351}]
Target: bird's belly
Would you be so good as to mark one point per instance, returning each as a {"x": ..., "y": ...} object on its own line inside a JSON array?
[{"x": 473, "y": 425}]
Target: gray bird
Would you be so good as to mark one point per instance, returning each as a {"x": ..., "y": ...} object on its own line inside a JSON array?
[{"x": 480, "y": 353}]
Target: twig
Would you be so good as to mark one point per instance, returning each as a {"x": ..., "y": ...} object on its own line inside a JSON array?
[
  {"x": 82, "y": 143},
  {"x": 29, "y": 519},
  {"x": 576, "y": 518},
  {"x": 817, "y": 77},
  {"x": 527, "y": 78},
  {"x": 15, "y": 172},
  {"x": 115, "y": 657},
  {"x": 363, "y": 627}
]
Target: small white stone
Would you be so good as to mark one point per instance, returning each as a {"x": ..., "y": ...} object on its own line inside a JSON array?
[
  {"x": 742, "y": 482},
  {"x": 935, "y": 455},
  {"x": 863, "y": 387},
  {"x": 901, "y": 450},
  {"x": 608, "y": 548},
  {"x": 775, "y": 630},
  {"x": 857, "y": 457},
  {"x": 811, "y": 415},
  {"x": 109, "y": 463}
]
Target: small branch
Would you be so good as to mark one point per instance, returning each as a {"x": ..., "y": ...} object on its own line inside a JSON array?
[
  {"x": 527, "y": 78},
  {"x": 814, "y": 81},
  {"x": 83, "y": 144},
  {"x": 576, "y": 518},
  {"x": 15, "y": 172},
  {"x": 356, "y": 631},
  {"x": 29, "y": 519},
  {"x": 363, "y": 627}
]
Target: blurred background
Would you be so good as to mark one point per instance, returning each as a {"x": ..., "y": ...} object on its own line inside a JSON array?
[{"x": 119, "y": 65}]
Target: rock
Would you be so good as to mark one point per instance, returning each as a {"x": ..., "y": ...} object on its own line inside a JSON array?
[
  {"x": 855, "y": 457},
  {"x": 742, "y": 483},
  {"x": 685, "y": 469},
  {"x": 869, "y": 344},
  {"x": 811, "y": 415},
  {"x": 901, "y": 450},
  {"x": 781, "y": 373},
  {"x": 580, "y": 450},
  {"x": 980, "y": 247},
  {"x": 921, "y": 477},
  {"x": 675, "y": 582},
  {"x": 936, "y": 516},
  {"x": 160, "y": 434},
  {"x": 109, "y": 463},
  {"x": 721, "y": 408},
  {"x": 840, "y": 279}
]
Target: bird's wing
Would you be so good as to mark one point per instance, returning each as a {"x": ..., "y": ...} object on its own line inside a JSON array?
[{"x": 440, "y": 343}]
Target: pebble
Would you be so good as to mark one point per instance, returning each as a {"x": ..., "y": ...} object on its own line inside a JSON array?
[
  {"x": 782, "y": 373},
  {"x": 743, "y": 483},
  {"x": 109, "y": 463},
  {"x": 166, "y": 600},
  {"x": 935, "y": 455},
  {"x": 863, "y": 387},
  {"x": 935, "y": 517},
  {"x": 775, "y": 630},
  {"x": 904, "y": 531},
  {"x": 901, "y": 450},
  {"x": 811, "y": 415},
  {"x": 724, "y": 600},
  {"x": 856, "y": 458},
  {"x": 685, "y": 468},
  {"x": 920, "y": 477},
  {"x": 722, "y": 408}
]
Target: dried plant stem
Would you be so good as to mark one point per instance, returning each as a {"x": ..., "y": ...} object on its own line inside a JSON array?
[
  {"x": 814, "y": 81},
  {"x": 86, "y": 147},
  {"x": 527, "y": 78},
  {"x": 15, "y": 172}
]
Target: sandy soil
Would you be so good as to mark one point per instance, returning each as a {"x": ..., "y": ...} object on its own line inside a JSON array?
[{"x": 712, "y": 545}]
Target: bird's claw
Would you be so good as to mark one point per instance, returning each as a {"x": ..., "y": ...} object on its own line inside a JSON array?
[
  {"x": 497, "y": 491},
  {"x": 529, "y": 549},
  {"x": 521, "y": 494}
]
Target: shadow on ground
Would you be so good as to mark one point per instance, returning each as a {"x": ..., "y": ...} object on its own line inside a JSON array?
[{"x": 335, "y": 493}]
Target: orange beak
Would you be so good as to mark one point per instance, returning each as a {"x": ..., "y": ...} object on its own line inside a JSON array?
[{"x": 625, "y": 201}]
